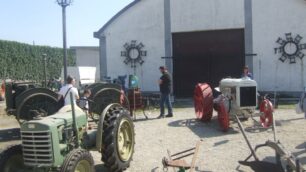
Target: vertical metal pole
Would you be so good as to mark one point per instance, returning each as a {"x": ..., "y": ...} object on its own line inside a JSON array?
[
  {"x": 45, "y": 69},
  {"x": 74, "y": 123},
  {"x": 302, "y": 75},
  {"x": 64, "y": 41}
]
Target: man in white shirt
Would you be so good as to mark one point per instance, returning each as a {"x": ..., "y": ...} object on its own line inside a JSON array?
[{"x": 67, "y": 89}]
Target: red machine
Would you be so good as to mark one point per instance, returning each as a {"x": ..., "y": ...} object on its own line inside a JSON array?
[{"x": 238, "y": 97}]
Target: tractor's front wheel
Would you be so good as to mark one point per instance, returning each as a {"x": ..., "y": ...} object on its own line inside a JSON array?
[
  {"x": 118, "y": 139},
  {"x": 78, "y": 160},
  {"x": 11, "y": 159}
]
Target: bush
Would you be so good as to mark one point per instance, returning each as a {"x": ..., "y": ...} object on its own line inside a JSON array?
[{"x": 21, "y": 61}]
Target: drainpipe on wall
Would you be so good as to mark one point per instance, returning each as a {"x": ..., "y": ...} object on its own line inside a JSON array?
[
  {"x": 248, "y": 33},
  {"x": 302, "y": 75},
  {"x": 168, "y": 40}
]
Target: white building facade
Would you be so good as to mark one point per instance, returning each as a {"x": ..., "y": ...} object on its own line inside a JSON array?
[
  {"x": 87, "y": 56},
  {"x": 206, "y": 40}
]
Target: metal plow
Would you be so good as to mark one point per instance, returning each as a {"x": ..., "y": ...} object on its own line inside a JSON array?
[
  {"x": 285, "y": 161},
  {"x": 177, "y": 160}
]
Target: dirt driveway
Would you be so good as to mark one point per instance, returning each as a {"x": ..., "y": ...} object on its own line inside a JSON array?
[{"x": 220, "y": 151}]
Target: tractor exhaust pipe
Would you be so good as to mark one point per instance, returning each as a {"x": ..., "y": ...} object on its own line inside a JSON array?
[{"x": 74, "y": 124}]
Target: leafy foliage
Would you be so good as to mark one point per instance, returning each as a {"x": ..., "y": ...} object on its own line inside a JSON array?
[{"x": 21, "y": 61}]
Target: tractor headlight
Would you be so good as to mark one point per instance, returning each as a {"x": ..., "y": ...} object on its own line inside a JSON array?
[
  {"x": 60, "y": 130},
  {"x": 31, "y": 126}
]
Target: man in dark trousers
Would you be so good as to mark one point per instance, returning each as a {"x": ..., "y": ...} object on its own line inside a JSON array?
[{"x": 165, "y": 89}]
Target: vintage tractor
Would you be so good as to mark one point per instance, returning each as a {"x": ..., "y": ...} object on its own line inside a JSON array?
[
  {"x": 235, "y": 97},
  {"x": 54, "y": 139}
]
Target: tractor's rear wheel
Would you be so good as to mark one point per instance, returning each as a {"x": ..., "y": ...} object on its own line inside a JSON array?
[
  {"x": 78, "y": 160},
  {"x": 11, "y": 159},
  {"x": 118, "y": 139}
]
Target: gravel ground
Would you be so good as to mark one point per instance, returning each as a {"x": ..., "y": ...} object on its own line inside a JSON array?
[{"x": 219, "y": 151}]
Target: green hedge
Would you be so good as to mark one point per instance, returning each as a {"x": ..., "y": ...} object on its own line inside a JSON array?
[{"x": 21, "y": 61}]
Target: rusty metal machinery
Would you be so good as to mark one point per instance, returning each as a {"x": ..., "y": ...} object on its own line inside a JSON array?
[
  {"x": 285, "y": 161},
  {"x": 177, "y": 160},
  {"x": 103, "y": 94},
  {"x": 25, "y": 101},
  {"x": 237, "y": 97}
]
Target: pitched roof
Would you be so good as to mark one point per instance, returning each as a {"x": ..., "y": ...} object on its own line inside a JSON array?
[{"x": 98, "y": 33}]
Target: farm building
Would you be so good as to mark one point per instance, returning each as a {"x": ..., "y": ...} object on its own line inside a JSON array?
[{"x": 205, "y": 41}]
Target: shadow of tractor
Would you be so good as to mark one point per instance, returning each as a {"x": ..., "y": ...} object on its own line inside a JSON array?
[{"x": 203, "y": 129}]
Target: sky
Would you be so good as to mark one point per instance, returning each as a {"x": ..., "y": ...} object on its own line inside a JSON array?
[{"x": 39, "y": 22}]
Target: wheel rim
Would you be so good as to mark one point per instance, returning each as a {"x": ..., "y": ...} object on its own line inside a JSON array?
[
  {"x": 83, "y": 166},
  {"x": 14, "y": 164},
  {"x": 125, "y": 140}
]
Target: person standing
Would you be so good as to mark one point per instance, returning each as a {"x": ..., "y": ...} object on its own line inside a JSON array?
[
  {"x": 83, "y": 103},
  {"x": 165, "y": 89},
  {"x": 246, "y": 73},
  {"x": 67, "y": 89}
]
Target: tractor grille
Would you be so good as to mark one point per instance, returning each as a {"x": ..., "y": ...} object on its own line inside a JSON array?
[
  {"x": 37, "y": 148},
  {"x": 248, "y": 96}
]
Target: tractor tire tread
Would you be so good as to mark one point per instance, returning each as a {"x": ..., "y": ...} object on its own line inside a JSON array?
[
  {"x": 109, "y": 155},
  {"x": 7, "y": 152},
  {"x": 74, "y": 157}
]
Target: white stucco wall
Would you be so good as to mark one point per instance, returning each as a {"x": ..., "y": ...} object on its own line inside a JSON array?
[
  {"x": 272, "y": 19},
  {"x": 199, "y": 15},
  {"x": 144, "y": 23},
  {"x": 88, "y": 56}
]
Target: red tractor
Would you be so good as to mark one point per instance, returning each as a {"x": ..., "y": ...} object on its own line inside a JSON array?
[{"x": 237, "y": 97}]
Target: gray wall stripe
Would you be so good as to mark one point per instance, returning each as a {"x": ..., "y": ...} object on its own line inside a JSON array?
[
  {"x": 168, "y": 35},
  {"x": 103, "y": 59},
  {"x": 248, "y": 33}
]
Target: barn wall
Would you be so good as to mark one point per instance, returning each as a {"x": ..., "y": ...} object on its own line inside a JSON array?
[
  {"x": 271, "y": 20},
  {"x": 200, "y": 15},
  {"x": 144, "y": 23}
]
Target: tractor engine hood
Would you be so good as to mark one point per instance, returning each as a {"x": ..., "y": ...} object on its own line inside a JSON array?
[{"x": 62, "y": 117}]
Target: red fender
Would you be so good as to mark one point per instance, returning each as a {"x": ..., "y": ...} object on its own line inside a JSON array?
[
  {"x": 266, "y": 109},
  {"x": 203, "y": 102},
  {"x": 223, "y": 115}
]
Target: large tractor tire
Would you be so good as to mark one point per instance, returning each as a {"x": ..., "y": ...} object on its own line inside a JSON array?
[
  {"x": 34, "y": 101},
  {"x": 102, "y": 98},
  {"x": 203, "y": 102},
  {"x": 11, "y": 159},
  {"x": 78, "y": 160},
  {"x": 118, "y": 139}
]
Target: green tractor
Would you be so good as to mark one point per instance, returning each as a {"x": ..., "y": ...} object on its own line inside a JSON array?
[{"x": 54, "y": 139}]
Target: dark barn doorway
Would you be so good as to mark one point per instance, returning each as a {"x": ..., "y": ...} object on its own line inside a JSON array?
[{"x": 206, "y": 56}]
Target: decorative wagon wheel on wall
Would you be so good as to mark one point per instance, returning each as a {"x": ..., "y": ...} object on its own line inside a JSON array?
[
  {"x": 290, "y": 48},
  {"x": 133, "y": 53}
]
